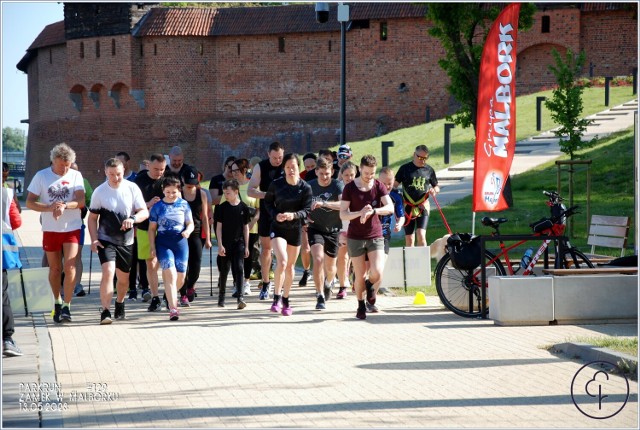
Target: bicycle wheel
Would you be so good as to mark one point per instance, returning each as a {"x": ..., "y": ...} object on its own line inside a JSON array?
[
  {"x": 574, "y": 259},
  {"x": 459, "y": 290}
]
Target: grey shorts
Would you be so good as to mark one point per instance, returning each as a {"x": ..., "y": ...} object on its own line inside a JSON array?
[{"x": 357, "y": 247}]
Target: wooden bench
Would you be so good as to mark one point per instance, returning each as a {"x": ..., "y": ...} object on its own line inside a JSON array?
[
  {"x": 596, "y": 271},
  {"x": 609, "y": 232}
]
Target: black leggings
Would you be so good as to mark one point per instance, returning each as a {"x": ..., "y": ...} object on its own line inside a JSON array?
[
  {"x": 7, "y": 314},
  {"x": 234, "y": 260},
  {"x": 195, "y": 262},
  {"x": 253, "y": 254}
]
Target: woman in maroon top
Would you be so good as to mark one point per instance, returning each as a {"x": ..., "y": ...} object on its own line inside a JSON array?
[{"x": 363, "y": 200}]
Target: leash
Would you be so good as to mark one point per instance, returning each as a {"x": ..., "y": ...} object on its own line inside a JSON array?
[{"x": 446, "y": 224}]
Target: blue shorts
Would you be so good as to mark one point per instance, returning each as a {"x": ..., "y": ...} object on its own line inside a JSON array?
[{"x": 172, "y": 250}]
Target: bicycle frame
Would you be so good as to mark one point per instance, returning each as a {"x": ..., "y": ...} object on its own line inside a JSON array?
[{"x": 555, "y": 230}]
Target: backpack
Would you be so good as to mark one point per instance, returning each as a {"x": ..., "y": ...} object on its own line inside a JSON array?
[{"x": 464, "y": 250}]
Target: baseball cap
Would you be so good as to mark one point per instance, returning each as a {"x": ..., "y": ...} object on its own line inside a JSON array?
[
  {"x": 190, "y": 177},
  {"x": 344, "y": 152}
]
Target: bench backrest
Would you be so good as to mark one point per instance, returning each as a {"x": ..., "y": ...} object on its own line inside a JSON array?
[{"x": 608, "y": 231}]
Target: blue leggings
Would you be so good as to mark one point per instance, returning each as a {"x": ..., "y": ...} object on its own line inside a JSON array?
[{"x": 172, "y": 250}]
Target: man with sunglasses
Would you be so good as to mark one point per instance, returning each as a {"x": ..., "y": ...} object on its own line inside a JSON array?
[{"x": 418, "y": 180}]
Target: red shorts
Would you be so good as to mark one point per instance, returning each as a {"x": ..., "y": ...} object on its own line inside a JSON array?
[{"x": 52, "y": 240}]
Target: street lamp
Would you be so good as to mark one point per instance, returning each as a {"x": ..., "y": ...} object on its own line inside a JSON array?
[{"x": 322, "y": 16}]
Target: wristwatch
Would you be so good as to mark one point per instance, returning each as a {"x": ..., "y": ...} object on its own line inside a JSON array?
[{"x": 133, "y": 218}]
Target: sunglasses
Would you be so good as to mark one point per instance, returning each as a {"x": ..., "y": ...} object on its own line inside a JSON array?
[
  {"x": 421, "y": 158},
  {"x": 344, "y": 156}
]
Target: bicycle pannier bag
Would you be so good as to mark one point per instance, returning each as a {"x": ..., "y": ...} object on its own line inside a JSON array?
[
  {"x": 464, "y": 250},
  {"x": 541, "y": 225}
]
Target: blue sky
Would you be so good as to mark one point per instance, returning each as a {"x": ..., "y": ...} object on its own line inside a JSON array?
[{"x": 21, "y": 24}]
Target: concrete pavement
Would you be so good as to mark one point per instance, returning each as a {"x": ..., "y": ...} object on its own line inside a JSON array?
[{"x": 407, "y": 366}]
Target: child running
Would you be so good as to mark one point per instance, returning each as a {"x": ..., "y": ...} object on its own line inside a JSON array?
[
  {"x": 171, "y": 218},
  {"x": 232, "y": 220}
]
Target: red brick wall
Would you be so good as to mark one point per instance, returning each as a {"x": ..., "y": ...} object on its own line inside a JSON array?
[{"x": 217, "y": 96}]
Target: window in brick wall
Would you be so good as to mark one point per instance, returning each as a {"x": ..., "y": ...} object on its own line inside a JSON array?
[
  {"x": 113, "y": 47},
  {"x": 383, "y": 31},
  {"x": 155, "y": 49},
  {"x": 201, "y": 49},
  {"x": 280, "y": 44},
  {"x": 329, "y": 46},
  {"x": 238, "y": 49},
  {"x": 81, "y": 49},
  {"x": 50, "y": 56},
  {"x": 546, "y": 23},
  {"x": 141, "y": 50},
  {"x": 97, "y": 49}
]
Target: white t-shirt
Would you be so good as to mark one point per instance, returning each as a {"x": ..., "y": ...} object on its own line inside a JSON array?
[
  {"x": 114, "y": 205},
  {"x": 51, "y": 188}
]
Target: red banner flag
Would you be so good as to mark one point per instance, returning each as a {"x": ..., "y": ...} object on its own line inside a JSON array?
[{"x": 496, "y": 119}]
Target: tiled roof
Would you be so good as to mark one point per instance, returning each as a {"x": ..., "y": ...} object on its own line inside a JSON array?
[
  {"x": 599, "y": 7},
  {"x": 262, "y": 20},
  {"x": 52, "y": 34}
]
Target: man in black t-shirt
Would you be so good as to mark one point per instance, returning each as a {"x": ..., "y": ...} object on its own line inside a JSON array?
[
  {"x": 263, "y": 174},
  {"x": 149, "y": 182},
  {"x": 418, "y": 180}
]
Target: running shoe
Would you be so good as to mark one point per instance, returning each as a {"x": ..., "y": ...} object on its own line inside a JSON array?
[
  {"x": 155, "y": 305},
  {"x": 371, "y": 308},
  {"x": 264, "y": 293},
  {"x": 272, "y": 275},
  {"x": 328, "y": 290},
  {"x": 303, "y": 280},
  {"x": 119, "y": 313},
  {"x": 361, "y": 314},
  {"x": 146, "y": 295},
  {"x": 276, "y": 307},
  {"x": 287, "y": 311},
  {"x": 105, "y": 317},
  {"x": 320, "y": 303},
  {"x": 342, "y": 293},
  {"x": 133, "y": 295},
  {"x": 174, "y": 314},
  {"x": 10, "y": 349},
  {"x": 191, "y": 294},
  {"x": 65, "y": 314},
  {"x": 255, "y": 276},
  {"x": 57, "y": 308},
  {"x": 78, "y": 291},
  {"x": 247, "y": 289},
  {"x": 184, "y": 301},
  {"x": 241, "y": 303}
]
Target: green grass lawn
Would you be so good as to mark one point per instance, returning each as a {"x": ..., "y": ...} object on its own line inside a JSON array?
[{"x": 463, "y": 140}]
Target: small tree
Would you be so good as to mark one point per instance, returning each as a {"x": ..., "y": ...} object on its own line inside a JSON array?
[
  {"x": 12, "y": 139},
  {"x": 566, "y": 103}
]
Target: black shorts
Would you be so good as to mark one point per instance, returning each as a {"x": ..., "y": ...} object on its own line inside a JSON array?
[
  {"x": 419, "y": 222},
  {"x": 264, "y": 225},
  {"x": 121, "y": 254},
  {"x": 387, "y": 241},
  {"x": 293, "y": 236},
  {"x": 328, "y": 240}
]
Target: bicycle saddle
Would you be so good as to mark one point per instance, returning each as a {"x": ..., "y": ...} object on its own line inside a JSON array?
[{"x": 492, "y": 222}]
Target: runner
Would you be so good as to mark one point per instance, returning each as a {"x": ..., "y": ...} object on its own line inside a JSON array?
[
  {"x": 58, "y": 192},
  {"x": 361, "y": 200},
  {"x": 324, "y": 228},
  {"x": 150, "y": 183},
  {"x": 116, "y": 205},
  {"x": 288, "y": 202},
  {"x": 264, "y": 173},
  {"x": 232, "y": 219},
  {"x": 171, "y": 218}
]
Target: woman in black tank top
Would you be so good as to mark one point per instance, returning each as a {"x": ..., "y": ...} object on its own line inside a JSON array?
[{"x": 199, "y": 205}]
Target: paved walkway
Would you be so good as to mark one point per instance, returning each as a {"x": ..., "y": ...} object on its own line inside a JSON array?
[{"x": 408, "y": 366}]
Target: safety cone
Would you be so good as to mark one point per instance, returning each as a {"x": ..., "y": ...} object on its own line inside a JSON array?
[{"x": 420, "y": 299}]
